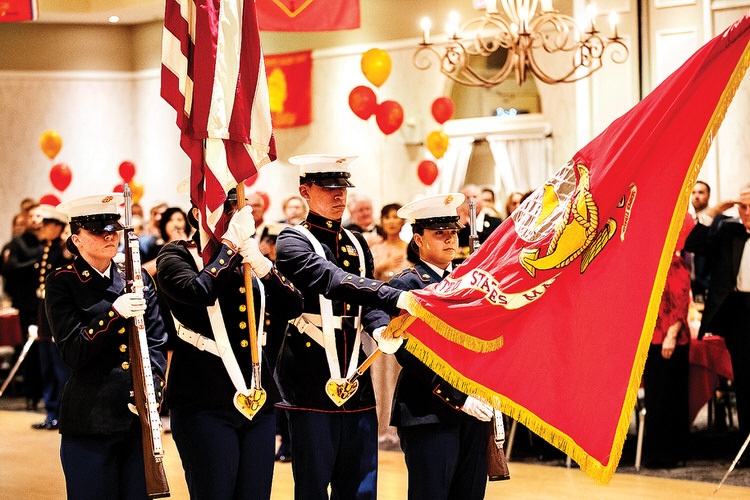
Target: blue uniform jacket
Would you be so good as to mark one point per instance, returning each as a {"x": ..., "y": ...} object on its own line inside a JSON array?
[
  {"x": 302, "y": 370},
  {"x": 93, "y": 342},
  {"x": 198, "y": 379},
  {"x": 421, "y": 397}
]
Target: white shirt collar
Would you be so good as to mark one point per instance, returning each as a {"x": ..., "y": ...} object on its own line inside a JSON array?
[{"x": 437, "y": 269}]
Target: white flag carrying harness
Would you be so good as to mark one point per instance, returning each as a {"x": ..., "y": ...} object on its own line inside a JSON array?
[
  {"x": 311, "y": 324},
  {"x": 221, "y": 346}
]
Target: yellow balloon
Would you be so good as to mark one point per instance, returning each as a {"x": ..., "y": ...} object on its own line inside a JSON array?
[
  {"x": 437, "y": 143},
  {"x": 51, "y": 143},
  {"x": 376, "y": 66},
  {"x": 136, "y": 191}
]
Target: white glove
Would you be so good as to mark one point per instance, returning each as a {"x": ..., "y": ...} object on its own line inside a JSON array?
[
  {"x": 401, "y": 302},
  {"x": 129, "y": 304},
  {"x": 241, "y": 227},
  {"x": 388, "y": 346},
  {"x": 478, "y": 409},
  {"x": 251, "y": 255}
]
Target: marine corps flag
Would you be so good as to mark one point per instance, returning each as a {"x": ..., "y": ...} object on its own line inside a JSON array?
[
  {"x": 307, "y": 15},
  {"x": 551, "y": 319},
  {"x": 213, "y": 75}
]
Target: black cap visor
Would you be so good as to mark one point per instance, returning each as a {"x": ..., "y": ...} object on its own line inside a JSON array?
[
  {"x": 100, "y": 223},
  {"x": 329, "y": 179},
  {"x": 435, "y": 223}
]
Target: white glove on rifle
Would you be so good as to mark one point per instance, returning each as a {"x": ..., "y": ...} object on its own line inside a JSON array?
[
  {"x": 241, "y": 227},
  {"x": 388, "y": 346},
  {"x": 251, "y": 255},
  {"x": 130, "y": 304},
  {"x": 478, "y": 409}
]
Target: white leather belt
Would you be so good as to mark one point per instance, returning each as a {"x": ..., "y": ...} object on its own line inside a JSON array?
[{"x": 200, "y": 342}]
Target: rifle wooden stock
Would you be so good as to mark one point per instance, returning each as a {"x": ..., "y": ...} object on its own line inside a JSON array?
[{"x": 143, "y": 382}]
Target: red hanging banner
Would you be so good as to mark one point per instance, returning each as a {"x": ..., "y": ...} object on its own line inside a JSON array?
[
  {"x": 18, "y": 10},
  {"x": 289, "y": 88},
  {"x": 307, "y": 15}
]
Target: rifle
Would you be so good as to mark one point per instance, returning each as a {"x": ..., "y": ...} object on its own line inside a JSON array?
[
  {"x": 30, "y": 340},
  {"x": 497, "y": 465},
  {"x": 140, "y": 365}
]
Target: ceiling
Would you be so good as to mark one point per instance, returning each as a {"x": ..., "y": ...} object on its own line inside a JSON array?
[{"x": 99, "y": 11}]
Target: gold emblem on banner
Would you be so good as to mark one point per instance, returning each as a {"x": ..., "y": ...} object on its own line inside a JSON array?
[{"x": 565, "y": 207}]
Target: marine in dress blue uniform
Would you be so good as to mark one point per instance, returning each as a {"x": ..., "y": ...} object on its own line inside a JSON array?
[
  {"x": 225, "y": 455},
  {"x": 54, "y": 371},
  {"x": 443, "y": 439},
  {"x": 88, "y": 310},
  {"x": 331, "y": 444}
]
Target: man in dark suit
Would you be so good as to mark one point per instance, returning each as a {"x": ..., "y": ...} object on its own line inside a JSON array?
[
  {"x": 727, "y": 311},
  {"x": 443, "y": 431},
  {"x": 333, "y": 442}
]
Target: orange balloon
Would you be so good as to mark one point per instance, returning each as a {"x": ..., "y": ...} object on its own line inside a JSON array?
[
  {"x": 51, "y": 143},
  {"x": 376, "y": 66},
  {"x": 136, "y": 191},
  {"x": 437, "y": 143}
]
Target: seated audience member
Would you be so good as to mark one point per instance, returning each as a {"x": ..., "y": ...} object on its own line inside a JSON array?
[
  {"x": 172, "y": 227},
  {"x": 361, "y": 217},
  {"x": 488, "y": 202},
  {"x": 295, "y": 210},
  {"x": 514, "y": 199}
]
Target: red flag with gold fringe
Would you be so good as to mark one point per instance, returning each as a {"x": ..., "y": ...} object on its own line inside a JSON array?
[
  {"x": 307, "y": 15},
  {"x": 289, "y": 88},
  {"x": 551, "y": 319},
  {"x": 214, "y": 77}
]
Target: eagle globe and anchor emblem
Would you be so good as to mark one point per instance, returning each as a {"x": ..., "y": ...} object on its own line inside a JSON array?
[{"x": 565, "y": 208}]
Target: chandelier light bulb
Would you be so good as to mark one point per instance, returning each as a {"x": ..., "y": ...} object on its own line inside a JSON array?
[
  {"x": 425, "y": 24},
  {"x": 591, "y": 15},
  {"x": 613, "y": 20}
]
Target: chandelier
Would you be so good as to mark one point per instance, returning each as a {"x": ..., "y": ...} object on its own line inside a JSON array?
[{"x": 526, "y": 35}]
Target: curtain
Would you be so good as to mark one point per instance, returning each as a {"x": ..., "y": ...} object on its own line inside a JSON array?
[
  {"x": 452, "y": 167},
  {"x": 521, "y": 164}
]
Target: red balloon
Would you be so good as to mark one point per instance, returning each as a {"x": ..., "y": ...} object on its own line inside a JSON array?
[
  {"x": 390, "y": 116},
  {"x": 442, "y": 109},
  {"x": 266, "y": 198},
  {"x": 118, "y": 188},
  {"x": 49, "y": 199},
  {"x": 126, "y": 170},
  {"x": 363, "y": 101},
  {"x": 427, "y": 172},
  {"x": 60, "y": 175}
]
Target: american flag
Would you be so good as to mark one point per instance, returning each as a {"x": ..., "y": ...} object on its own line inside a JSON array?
[{"x": 213, "y": 75}]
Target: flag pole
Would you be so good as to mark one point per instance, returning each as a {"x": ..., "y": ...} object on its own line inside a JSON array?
[
  {"x": 256, "y": 391},
  {"x": 734, "y": 463}
]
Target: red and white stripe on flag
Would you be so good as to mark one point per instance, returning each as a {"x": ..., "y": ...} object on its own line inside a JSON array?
[{"x": 213, "y": 75}]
